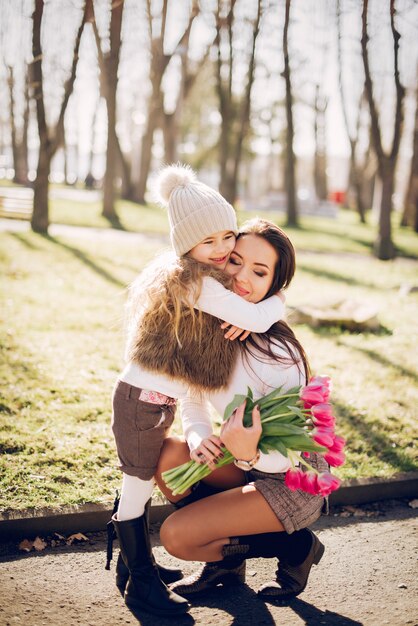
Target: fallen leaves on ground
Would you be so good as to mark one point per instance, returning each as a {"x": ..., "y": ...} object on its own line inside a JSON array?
[
  {"x": 37, "y": 544},
  {"x": 75, "y": 538}
]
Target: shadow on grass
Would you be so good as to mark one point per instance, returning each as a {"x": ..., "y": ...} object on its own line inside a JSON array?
[
  {"x": 378, "y": 444},
  {"x": 376, "y": 357},
  {"x": 82, "y": 256},
  {"x": 321, "y": 230},
  {"x": 340, "y": 278},
  {"x": 114, "y": 222},
  {"x": 23, "y": 238}
]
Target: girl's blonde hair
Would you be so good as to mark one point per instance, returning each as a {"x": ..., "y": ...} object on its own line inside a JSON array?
[{"x": 168, "y": 288}]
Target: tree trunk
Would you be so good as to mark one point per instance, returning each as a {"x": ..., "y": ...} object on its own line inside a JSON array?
[
  {"x": 170, "y": 133},
  {"x": 48, "y": 142},
  {"x": 383, "y": 246},
  {"x": 320, "y": 159},
  {"x": 111, "y": 83},
  {"x": 40, "y": 215},
  {"x": 410, "y": 213},
  {"x": 292, "y": 209},
  {"x": 154, "y": 111}
]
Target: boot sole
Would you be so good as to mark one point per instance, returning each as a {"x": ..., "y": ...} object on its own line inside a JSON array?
[
  {"x": 229, "y": 580},
  {"x": 138, "y": 604}
]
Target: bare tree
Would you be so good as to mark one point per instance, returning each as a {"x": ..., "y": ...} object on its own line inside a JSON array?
[
  {"x": 158, "y": 65},
  {"x": 109, "y": 64},
  {"x": 171, "y": 122},
  {"x": 383, "y": 246},
  {"x": 290, "y": 177},
  {"x": 410, "y": 213},
  {"x": 49, "y": 140},
  {"x": 235, "y": 112}
]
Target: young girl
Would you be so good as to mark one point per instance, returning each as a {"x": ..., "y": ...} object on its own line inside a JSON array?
[
  {"x": 262, "y": 518},
  {"x": 176, "y": 342}
]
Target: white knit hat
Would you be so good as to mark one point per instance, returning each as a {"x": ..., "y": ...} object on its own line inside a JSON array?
[{"x": 195, "y": 210}]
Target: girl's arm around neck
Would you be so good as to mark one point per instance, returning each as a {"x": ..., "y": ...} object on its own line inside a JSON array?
[{"x": 218, "y": 301}]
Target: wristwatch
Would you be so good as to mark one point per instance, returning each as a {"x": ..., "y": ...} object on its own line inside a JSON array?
[{"x": 247, "y": 465}]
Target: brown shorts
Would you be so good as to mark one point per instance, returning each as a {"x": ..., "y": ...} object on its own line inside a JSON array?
[
  {"x": 294, "y": 509},
  {"x": 139, "y": 429}
]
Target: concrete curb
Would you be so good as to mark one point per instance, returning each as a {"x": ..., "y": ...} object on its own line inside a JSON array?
[{"x": 94, "y": 517}]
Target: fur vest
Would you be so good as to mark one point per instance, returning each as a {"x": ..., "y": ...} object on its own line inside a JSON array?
[{"x": 204, "y": 359}]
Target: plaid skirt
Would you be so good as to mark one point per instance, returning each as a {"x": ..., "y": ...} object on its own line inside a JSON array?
[{"x": 294, "y": 509}]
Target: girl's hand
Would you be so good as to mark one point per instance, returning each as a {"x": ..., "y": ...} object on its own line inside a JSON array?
[
  {"x": 208, "y": 452},
  {"x": 234, "y": 332},
  {"x": 242, "y": 442}
]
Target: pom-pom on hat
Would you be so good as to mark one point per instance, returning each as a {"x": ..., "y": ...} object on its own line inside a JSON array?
[{"x": 195, "y": 211}]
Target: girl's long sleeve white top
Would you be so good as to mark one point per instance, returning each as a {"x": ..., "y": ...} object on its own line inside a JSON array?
[
  {"x": 218, "y": 301},
  {"x": 262, "y": 377}
]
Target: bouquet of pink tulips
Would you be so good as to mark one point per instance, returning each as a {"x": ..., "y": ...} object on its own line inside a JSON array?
[{"x": 296, "y": 423}]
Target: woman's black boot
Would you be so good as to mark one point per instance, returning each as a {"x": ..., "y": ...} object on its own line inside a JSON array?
[
  {"x": 145, "y": 589},
  {"x": 296, "y": 552},
  {"x": 229, "y": 571}
]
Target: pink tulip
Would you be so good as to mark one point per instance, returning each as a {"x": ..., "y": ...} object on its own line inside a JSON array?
[
  {"x": 338, "y": 445},
  {"x": 309, "y": 483},
  {"x": 322, "y": 414},
  {"x": 335, "y": 459},
  {"x": 311, "y": 396},
  {"x": 327, "y": 483},
  {"x": 323, "y": 437},
  {"x": 293, "y": 479},
  {"x": 323, "y": 409}
]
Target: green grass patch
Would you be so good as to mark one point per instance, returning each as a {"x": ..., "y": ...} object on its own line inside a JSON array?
[{"x": 61, "y": 338}]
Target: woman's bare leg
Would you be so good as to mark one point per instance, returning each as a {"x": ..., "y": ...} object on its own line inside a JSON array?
[
  {"x": 176, "y": 452},
  {"x": 199, "y": 531}
]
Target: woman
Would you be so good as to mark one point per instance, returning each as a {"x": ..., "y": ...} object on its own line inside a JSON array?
[{"x": 257, "y": 516}]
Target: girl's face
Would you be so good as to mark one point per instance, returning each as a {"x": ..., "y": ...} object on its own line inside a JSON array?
[
  {"x": 214, "y": 250},
  {"x": 252, "y": 264}
]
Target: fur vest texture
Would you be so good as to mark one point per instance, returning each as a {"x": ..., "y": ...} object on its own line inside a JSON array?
[{"x": 203, "y": 360}]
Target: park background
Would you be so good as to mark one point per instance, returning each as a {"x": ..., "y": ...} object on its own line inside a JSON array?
[{"x": 302, "y": 112}]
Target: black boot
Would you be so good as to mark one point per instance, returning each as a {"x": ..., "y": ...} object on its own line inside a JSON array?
[
  {"x": 296, "y": 552},
  {"x": 167, "y": 574},
  {"x": 145, "y": 589},
  {"x": 229, "y": 571},
  {"x": 292, "y": 579}
]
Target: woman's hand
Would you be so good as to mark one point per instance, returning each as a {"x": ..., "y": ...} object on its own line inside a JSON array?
[
  {"x": 234, "y": 332},
  {"x": 208, "y": 451},
  {"x": 242, "y": 442}
]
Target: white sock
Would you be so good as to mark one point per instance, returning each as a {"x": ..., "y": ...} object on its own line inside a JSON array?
[{"x": 134, "y": 496}]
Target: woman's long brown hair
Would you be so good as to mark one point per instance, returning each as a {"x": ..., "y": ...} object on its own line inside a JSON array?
[{"x": 280, "y": 334}]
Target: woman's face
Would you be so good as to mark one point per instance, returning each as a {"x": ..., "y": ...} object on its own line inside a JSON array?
[{"x": 252, "y": 264}]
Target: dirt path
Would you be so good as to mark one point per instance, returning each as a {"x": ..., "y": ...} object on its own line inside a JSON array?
[{"x": 368, "y": 576}]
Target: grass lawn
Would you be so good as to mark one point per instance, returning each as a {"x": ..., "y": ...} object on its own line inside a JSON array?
[{"x": 61, "y": 338}]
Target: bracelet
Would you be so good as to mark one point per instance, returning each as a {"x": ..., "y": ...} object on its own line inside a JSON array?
[{"x": 247, "y": 465}]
